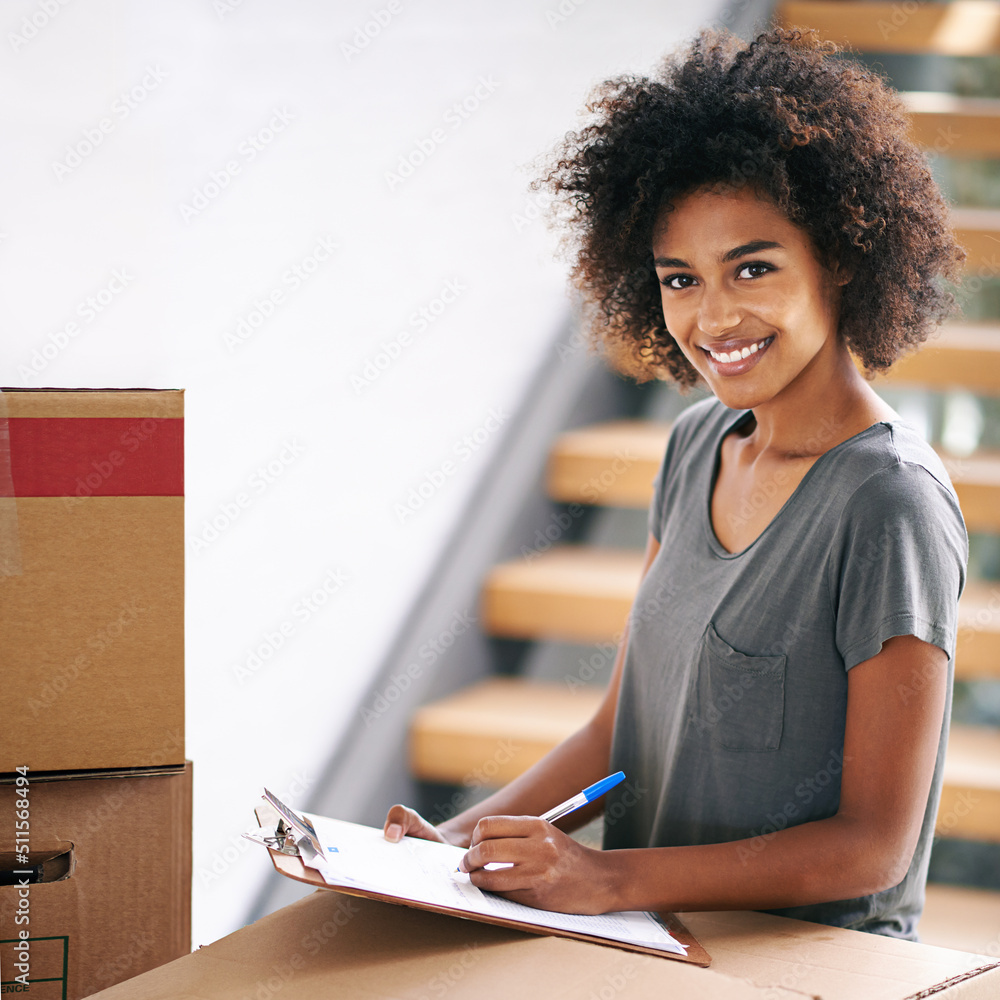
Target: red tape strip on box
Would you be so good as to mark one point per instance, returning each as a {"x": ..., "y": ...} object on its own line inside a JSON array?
[{"x": 95, "y": 457}]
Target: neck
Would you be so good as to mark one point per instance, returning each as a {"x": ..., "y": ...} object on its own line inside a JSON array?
[{"x": 829, "y": 403}]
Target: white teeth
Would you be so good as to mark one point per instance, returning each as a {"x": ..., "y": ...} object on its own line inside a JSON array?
[{"x": 738, "y": 355}]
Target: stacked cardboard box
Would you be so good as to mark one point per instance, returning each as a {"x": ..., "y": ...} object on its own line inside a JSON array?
[{"x": 95, "y": 797}]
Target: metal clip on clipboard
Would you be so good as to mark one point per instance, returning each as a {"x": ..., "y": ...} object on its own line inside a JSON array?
[
  {"x": 283, "y": 839},
  {"x": 293, "y": 833}
]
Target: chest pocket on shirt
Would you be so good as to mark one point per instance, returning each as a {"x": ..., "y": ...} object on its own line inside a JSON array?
[{"x": 739, "y": 700}]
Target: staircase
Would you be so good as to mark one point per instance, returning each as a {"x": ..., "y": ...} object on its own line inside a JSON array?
[{"x": 580, "y": 594}]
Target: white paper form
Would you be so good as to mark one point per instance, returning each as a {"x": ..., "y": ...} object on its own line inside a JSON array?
[{"x": 424, "y": 871}]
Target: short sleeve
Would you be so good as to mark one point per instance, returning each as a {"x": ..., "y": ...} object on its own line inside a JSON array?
[{"x": 903, "y": 550}]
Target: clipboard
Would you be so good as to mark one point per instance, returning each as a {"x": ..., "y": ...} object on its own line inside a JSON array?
[{"x": 290, "y": 832}]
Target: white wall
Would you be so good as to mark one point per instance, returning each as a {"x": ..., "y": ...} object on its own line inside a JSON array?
[{"x": 206, "y": 76}]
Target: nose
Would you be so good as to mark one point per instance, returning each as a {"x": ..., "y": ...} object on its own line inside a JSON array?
[{"x": 718, "y": 311}]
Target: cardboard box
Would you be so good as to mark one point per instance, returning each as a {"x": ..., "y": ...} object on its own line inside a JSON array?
[
  {"x": 332, "y": 945},
  {"x": 92, "y": 578},
  {"x": 115, "y": 858}
]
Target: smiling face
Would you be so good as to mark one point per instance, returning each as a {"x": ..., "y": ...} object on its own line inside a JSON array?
[{"x": 746, "y": 298}]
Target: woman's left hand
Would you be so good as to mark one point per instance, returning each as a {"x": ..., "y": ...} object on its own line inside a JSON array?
[{"x": 549, "y": 869}]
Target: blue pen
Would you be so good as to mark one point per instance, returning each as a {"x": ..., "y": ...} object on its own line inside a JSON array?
[
  {"x": 591, "y": 792},
  {"x": 594, "y": 791}
]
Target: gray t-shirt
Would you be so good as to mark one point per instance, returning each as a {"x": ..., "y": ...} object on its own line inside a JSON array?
[{"x": 733, "y": 699}]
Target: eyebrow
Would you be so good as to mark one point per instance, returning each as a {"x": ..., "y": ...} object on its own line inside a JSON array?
[{"x": 743, "y": 250}]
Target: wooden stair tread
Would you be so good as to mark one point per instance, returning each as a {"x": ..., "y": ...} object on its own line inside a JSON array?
[
  {"x": 575, "y": 593},
  {"x": 579, "y": 593},
  {"x": 961, "y": 918},
  {"x": 598, "y": 455},
  {"x": 954, "y": 126},
  {"x": 958, "y": 28},
  {"x": 964, "y": 356},
  {"x": 970, "y": 796},
  {"x": 500, "y": 727},
  {"x": 607, "y": 463},
  {"x": 490, "y": 733},
  {"x": 978, "y": 230}
]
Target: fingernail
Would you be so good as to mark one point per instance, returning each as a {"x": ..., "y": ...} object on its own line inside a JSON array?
[
  {"x": 461, "y": 866},
  {"x": 394, "y": 832}
]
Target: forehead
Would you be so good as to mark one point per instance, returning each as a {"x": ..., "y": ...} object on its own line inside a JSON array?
[{"x": 722, "y": 217}]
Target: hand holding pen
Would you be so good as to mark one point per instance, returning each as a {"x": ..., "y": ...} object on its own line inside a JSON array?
[
  {"x": 591, "y": 792},
  {"x": 541, "y": 865}
]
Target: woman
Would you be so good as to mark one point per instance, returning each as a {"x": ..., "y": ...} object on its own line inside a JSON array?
[{"x": 750, "y": 219}]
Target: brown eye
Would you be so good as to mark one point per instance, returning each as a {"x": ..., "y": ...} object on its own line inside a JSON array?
[
  {"x": 678, "y": 281},
  {"x": 758, "y": 268}
]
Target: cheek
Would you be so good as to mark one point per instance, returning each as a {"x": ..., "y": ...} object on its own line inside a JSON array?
[{"x": 675, "y": 315}]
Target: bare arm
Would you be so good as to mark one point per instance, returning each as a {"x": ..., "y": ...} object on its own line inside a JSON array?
[
  {"x": 578, "y": 761},
  {"x": 890, "y": 746}
]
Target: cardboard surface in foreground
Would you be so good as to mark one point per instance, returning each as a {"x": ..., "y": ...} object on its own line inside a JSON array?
[
  {"x": 293, "y": 867},
  {"x": 332, "y": 945}
]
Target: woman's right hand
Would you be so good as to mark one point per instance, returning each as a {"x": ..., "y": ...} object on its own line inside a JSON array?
[{"x": 402, "y": 821}]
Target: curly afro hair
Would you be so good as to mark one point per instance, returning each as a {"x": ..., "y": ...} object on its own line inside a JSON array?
[{"x": 820, "y": 136}]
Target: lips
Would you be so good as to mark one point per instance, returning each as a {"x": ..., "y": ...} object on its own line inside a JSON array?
[{"x": 737, "y": 357}]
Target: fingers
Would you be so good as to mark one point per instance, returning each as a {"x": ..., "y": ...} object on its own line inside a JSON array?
[
  {"x": 493, "y": 827},
  {"x": 510, "y": 840},
  {"x": 401, "y": 821}
]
